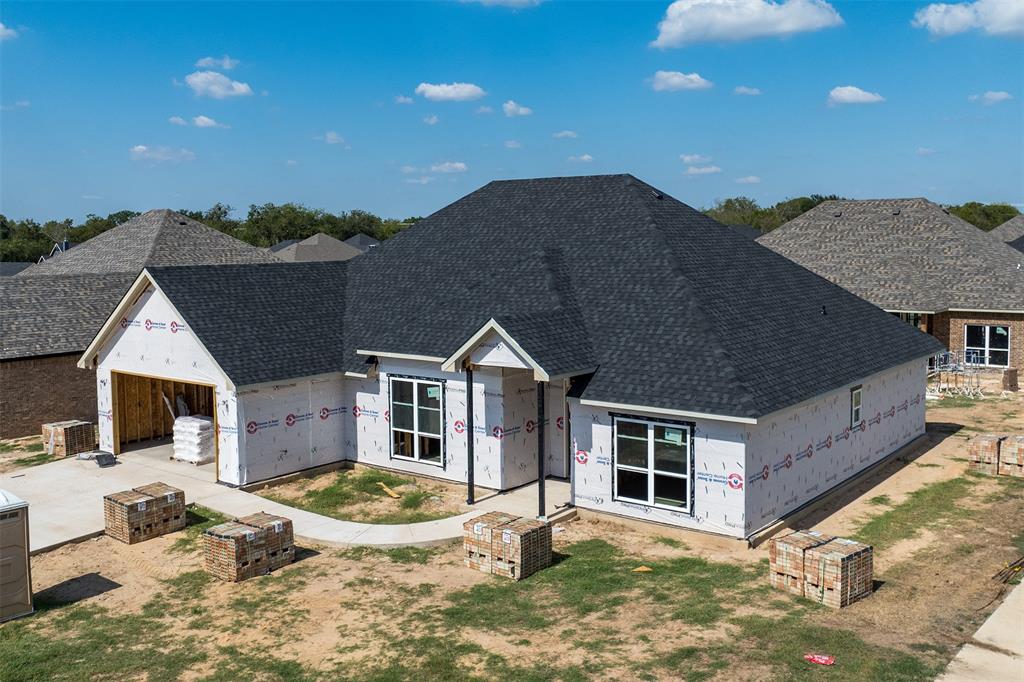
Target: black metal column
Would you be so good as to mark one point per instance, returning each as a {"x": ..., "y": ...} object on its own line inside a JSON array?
[
  {"x": 470, "y": 435},
  {"x": 540, "y": 450}
]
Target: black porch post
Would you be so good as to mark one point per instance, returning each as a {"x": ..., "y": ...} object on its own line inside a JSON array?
[
  {"x": 470, "y": 434},
  {"x": 540, "y": 450}
]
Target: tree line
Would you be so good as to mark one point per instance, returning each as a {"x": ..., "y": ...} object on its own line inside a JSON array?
[
  {"x": 745, "y": 211},
  {"x": 264, "y": 225},
  {"x": 267, "y": 224}
]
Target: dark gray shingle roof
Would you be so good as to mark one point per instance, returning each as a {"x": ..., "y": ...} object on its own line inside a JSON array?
[
  {"x": 319, "y": 247},
  {"x": 904, "y": 255},
  {"x": 1011, "y": 232},
  {"x": 361, "y": 241},
  {"x": 8, "y": 268},
  {"x": 155, "y": 238},
  {"x": 53, "y": 315}
]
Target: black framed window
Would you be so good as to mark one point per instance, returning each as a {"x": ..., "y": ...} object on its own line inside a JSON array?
[
  {"x": 417, "y": 419},
  {"x": 653, "y": 463},
  {"x": 856, "y": 405}
]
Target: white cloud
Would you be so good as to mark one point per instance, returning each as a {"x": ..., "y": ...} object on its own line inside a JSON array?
[
  {"x": 450, "y": 92},
  {"x": 91, "y": 196},
  {"x": 694, "y": 158},
  {"x": 994, "y": 17},
  {"x": 207, "y": 122},
  {"x": 677, "y": 80},
  {"x": 331, "y": 137},
  {"x": 484, "y": 110},
  {"x": 449, "y": 167},
  {"x": 749, "y": 180},
  {"x": 694, "y": 21},
  {"x": 422, "y": 180},
  {"x": 20, "y": 104},
  {"x": 402, "y": 99},
  {"x": 924, "y": 151},
  {"x": 849, "y": 94},
  {"x": 216, "y": 85},
  {"x": 225, "y": 62},
  {"x": 991, "y": 97},
  {"x": 7, "y": 33},
  {"x": 177, "y": 120},
  {"x": 513, "y": 108},
  {"x": 431, "y": 120},
  {"x": 141, "y": 152},
  {"x": 291, "y": 163},
  {"x": 512, "y": 144},
  {"x": 582, "y": 158},
  {"x": 563, "y": 134},
  {"x": 703, "y": 170},
  {"x": 744, "y": 90},
  {"x": 409, "y": 169}
]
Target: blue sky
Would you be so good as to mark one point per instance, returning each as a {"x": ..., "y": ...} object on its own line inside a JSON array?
[{"x": 88, "y": 92}]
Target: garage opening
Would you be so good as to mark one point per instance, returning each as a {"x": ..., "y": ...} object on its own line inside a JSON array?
[{"x": 145, "y": 407}]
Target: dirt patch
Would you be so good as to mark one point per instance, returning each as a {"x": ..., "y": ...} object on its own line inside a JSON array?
[{"x": 18, "y": 453}]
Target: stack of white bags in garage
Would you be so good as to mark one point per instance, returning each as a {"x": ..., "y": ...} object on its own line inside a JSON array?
[{"x": 193, "y": 439}]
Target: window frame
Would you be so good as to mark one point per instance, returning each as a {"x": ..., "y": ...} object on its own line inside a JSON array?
[
  {"x": 650, "y": 471},
  {"x": 856, "y": 410},
  {"x": 416, "y": 381},
  {"x": 986, "y": 351}
]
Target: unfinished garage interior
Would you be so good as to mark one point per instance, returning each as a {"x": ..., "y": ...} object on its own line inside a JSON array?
[
  {"x": 143, "y": 408},
  {"x": 696, "y": 379}
]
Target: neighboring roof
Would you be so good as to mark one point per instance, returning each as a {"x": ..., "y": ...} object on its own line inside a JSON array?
[
  {"x": 54, "y": 315},
  {"x": 8, "y": 268},
  {"x": 262, "y": 322},
  {"x": 154, "y": 238},
  {"x": 748, "y": 231},
  {"x": 363, "y": 242},
  {"x": 1011, "y": 232},
  {"x": 57, "y": 306},
  {"x": 281, "y": 245},
  {"x": 691, "y": 317},
  {"x": 906, "y": 255},
  {"x": 319, "y": 247}
]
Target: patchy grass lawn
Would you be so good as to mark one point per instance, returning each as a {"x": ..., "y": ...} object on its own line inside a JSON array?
[
  {"x": 359, "y": 495},
  {"x": 932, "y": 506},
  {"x": 19, "y": 453},
  {"x": 197, "y": 520}
]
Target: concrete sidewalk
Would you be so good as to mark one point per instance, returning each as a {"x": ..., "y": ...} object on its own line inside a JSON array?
[
  {"x": 997, "y": 652},
  {"x": 66, "y": 502}
]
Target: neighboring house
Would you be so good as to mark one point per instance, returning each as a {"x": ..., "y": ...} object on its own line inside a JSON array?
[
  {"x": 9, "y": 268},
  {"x": 319, "y": 247},
  {"x": 1011, "y": 232},
  {"x": 913, "y": 258},
  {"x": 59, "y": 247},
  {"x": 52, "y": 310},
  {"x": 696, "y": 378},
  {"x": 363, "y": 242}
]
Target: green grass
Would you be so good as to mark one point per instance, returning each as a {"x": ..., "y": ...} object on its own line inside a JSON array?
[
  {"x": 671, "y": 542},
  {"x": 350, "y": 488},
  {"x": 932, "y": 506},
  {"x": 197, "y": 520},
  {"x": 396, "y": 555},
  {"x": 955, "y": 402},
  {"x": 881, "y": 500},
  {"x": 35, "y": 460}
]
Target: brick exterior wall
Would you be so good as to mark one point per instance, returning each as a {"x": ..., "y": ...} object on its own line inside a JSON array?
[
  {"x": 949, "y": 329},
  {"x": 34, "y": 391}
]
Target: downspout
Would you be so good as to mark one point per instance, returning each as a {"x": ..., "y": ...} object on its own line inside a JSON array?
[{"x": 471, "y": 436}]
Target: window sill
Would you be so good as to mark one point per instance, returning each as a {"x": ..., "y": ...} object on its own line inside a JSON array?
[
  {"x": 645, "y": 503},
  {"x": 418, "y": 461}
]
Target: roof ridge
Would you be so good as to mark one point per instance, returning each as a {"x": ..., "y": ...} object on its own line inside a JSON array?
[{"x": 676, "y": 268}]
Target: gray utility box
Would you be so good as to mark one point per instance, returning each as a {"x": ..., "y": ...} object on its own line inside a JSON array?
[{"x": 15, "y": 571}]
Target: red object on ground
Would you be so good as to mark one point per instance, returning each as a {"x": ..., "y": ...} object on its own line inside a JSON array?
[{"x": 820, "y": 659}]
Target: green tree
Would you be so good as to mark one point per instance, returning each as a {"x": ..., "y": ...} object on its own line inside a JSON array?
[{"x": 984, "y": 216}]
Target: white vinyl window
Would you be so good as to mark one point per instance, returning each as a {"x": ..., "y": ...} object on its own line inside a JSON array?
[
  {"x": 856, "y": 398},
  {"x": 987, "y": 344},
  {"x": 652, "y": 463},
  {"x": 417, "y": 420}
]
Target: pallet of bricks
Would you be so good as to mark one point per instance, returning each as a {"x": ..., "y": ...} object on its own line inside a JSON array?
[
  {"x": 69, "y": 437},
  {"x": 830, "y": 570},
  {"x": 506, "y": 545},
  {"x": 1011, "y": 457},
  {"x": 144, "y": 513},
  {"x": 983, "y": 454},
  {"x": 247, "y": 547}
]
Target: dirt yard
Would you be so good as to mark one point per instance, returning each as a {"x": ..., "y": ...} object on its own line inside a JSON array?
[
  {"x": 18, "y": 453},
  {"x": 703, "y": 612}
]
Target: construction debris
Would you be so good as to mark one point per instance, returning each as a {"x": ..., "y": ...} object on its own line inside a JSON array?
[
  {"x": 144, "y": 513},
  {"x": 507, "y": 545},
  {"x": 68, "y": 438},
  {"x": 390, "y": 493}
]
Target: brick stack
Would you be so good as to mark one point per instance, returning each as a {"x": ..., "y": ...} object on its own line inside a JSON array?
[
  {"x": 234, "y": 551},
  {"x": 477, "y": 537},
  {"x": 838, "y": 573},
  {"x": 1011, "y": 457},
  {"x": 983, "y": 454},
  {"x": 144, "y": 513},
  {"x": 520, "y": 548},
  {"x": 787, "y": 558},
  {"x": 280, "y": 537},
  {"x": 1010, "y": 379},
  {"x": 69, "y": 437}
]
